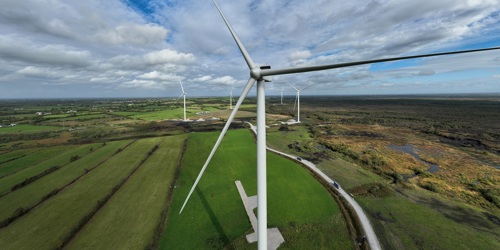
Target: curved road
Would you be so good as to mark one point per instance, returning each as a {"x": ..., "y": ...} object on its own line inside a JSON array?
[{"x": 367, "y": 227}]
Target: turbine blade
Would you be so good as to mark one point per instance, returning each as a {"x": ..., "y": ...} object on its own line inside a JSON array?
[
  {"x": 243, "y": 95},
  {"x": 307, "y": 87},
  {"x": 180, "y": 82},
  {"x": 271, "y": 72},
  {"x": 291, "y": 85},
  {"x": 176, "y": 100},
  {"x": 242, "y": 48}
]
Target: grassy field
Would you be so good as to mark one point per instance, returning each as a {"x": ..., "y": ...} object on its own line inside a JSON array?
[
  {"x": 175, "y": 113},
  {"x": 49, "y": 225},
  {"x": 423, "y": 226},
  {"x": 295, "y": 135},
  {"x": 215, "y": 219},
  {"x": 7, "y": 182},
  {"x": 30, "y": 195},
  {"x": 9, "y": 156},
  {"x": 31, "y": 157},
  {"x": 27, "y": 129},
  {"x": 129, "y": 219}
]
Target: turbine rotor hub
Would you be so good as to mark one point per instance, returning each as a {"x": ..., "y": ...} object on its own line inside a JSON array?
[{"x": 256, "y": 73}]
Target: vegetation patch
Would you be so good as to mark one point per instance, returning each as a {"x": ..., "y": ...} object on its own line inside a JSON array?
[{"x": 372, "y": 189}]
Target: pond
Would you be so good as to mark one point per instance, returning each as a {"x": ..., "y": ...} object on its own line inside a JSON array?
[{"x": 410, "y": 149}]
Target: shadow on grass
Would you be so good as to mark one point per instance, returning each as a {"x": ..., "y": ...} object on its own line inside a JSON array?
[
  {"x": 461, "y": 215},
  {"x": 216, "y": 242}
]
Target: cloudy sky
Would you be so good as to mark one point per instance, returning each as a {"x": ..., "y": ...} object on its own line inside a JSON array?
[{"x": 141, "y": 48}]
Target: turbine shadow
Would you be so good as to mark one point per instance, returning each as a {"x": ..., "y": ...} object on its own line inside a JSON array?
[{"x": 222, "y": 241}]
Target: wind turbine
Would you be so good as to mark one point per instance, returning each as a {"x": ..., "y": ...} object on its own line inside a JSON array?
[
  {"x": 297, "y": 99},
  {"x": 183, "y": 95},
  {"x": 282, "y": 95},
  {"x": 231, "y": 98},
  {"x": 261, "y": 76}
]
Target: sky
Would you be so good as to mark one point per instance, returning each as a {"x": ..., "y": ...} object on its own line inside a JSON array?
[{"x": 143, "y": 48}]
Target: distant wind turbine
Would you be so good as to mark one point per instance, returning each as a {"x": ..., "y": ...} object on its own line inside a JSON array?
[
  {"x": 261, "y": 76},
  {"x": 182, "y": 95},
  {"x": 231, "y": 98},
  {"x": 297, "y": 99},
  {"x": 282, "y": 95}
]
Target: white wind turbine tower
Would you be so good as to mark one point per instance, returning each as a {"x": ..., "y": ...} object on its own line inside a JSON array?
[
  {"x": 261, "y": 76},
  {"x": 282, "y": 95},
  {"x": 183, "y": 95},
  {"x": 231, "y": 98},
  {"x": 297, "y": 99}
]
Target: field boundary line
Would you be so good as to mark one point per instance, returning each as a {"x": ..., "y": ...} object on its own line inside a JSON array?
[
  {"x": 13, "y": 159},
  {"x": 162, "y": 223}
]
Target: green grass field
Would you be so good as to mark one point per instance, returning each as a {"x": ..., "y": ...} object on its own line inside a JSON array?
[
  {"x": 28, "y": 129},
  {"x": 128, "y": 220},
  {"x": 78, "y": 117},
  {"x": 10, "y": 156},
  {"x": 31, "y": 194},
  {"x": 176, "y": 113},
  {"x": 215, "y": 217},
  {"x": 47, "y": 226},
  {"x": 417, "y": 226},
  {"x": 280, "y": 140},
  {"x": 31, "y": 157},
  {"x": 60, "y": 160}
]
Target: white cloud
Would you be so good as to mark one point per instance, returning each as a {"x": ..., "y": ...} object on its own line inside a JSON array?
[
  {"x": 19, "y": 49},
  {"x": 297, "y": 55},
  {"x": 117, "y": 46},
  {"x": 155, "y": 75},
  {"x": 202, "y": 79},
  {"x": 224, "y": 80},
  {"x": 34, "y": 71},
  {"x": 142, "y": 84},
  {"x": 168, "y": 56},
  {"x": 133, "y": 34}
]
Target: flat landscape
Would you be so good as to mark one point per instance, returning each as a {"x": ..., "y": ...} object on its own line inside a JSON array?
[
  {"x": 113, "y": 175},
  {"x": 425, "y": 168}
]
